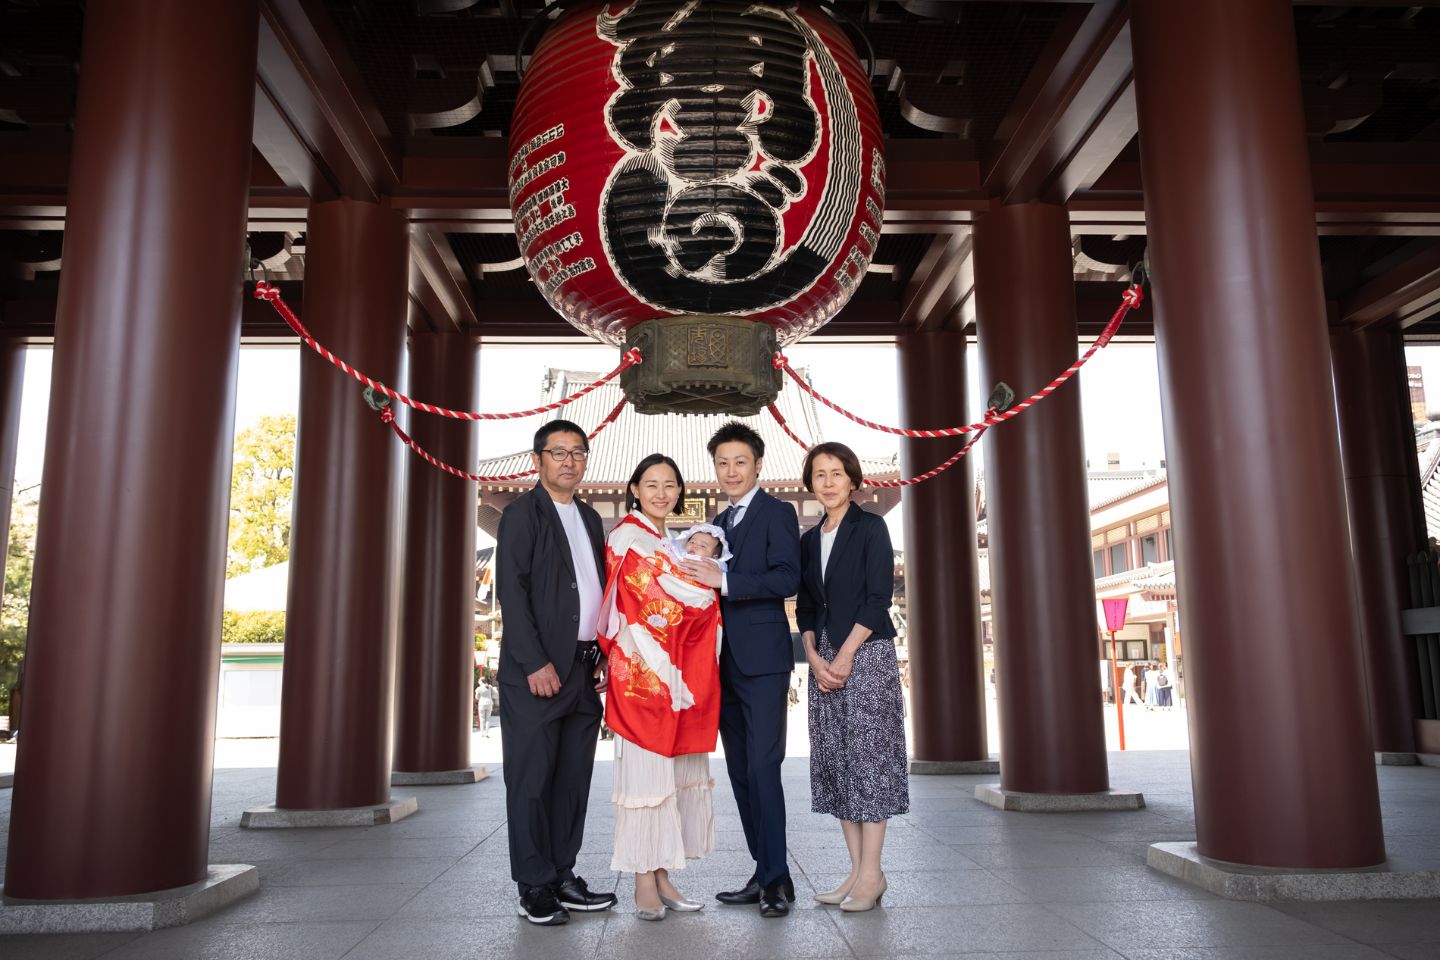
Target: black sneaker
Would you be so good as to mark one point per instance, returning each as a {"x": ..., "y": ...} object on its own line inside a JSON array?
[
  {"x": 575, "y": 894},
  {"x": 539, "y": 906}
]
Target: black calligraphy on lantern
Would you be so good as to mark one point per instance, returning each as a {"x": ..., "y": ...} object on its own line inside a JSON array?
[{"x": 717, "y": 116}]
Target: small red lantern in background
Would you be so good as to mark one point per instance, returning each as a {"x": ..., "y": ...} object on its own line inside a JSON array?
[{"x": 716, "y": 161}]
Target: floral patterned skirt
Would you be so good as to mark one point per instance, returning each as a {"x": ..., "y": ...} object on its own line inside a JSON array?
[{"x": 859, "y": 769}]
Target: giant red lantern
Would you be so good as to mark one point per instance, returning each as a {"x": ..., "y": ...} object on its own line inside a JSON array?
[{"x": 703, "y": 179}]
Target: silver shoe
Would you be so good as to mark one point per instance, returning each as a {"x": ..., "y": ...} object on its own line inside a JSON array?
[
  {"x": 646, "y": 913},
  {"x": 682, "y": 905}
]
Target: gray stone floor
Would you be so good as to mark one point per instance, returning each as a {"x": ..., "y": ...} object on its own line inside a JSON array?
[{"x": 965, "y": 880}]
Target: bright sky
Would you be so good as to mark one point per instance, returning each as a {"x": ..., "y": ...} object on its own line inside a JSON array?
[{"x": 1120, "y": 395}]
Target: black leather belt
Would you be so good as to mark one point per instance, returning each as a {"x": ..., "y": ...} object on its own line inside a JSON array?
[{"x": 587, "y": 651}]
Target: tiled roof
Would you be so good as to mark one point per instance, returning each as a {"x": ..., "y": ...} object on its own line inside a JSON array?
[
  {"x": 1108, "y": 486},
  {"x": 634, "y": 436},
  {"x": 1430, "y": 487},
  {"x": 1104, "y": 486}
]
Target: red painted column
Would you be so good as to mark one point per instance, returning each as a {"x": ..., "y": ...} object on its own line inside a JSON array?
[
  {"x": 1042, "y": 584},
  {"x": 112, "y": 788},
  {"x": 1281, "y": 758},
  {"x": 435, "y": 687},
  {"x": 1387, "y": 520},
  {"x": 947, "y": 685},
  {"x": 335, "y": 708}
]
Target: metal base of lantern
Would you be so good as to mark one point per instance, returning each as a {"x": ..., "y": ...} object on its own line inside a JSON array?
[{"x": 702, "y": 365}]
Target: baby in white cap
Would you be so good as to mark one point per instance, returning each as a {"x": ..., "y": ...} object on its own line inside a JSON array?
[{"x": 704, "y": 541}]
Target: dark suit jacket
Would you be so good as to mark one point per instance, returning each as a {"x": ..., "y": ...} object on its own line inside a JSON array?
[
  {"x": 764, "y": 570},
  {"x": 535, "y": 583},
  {"x": 859, "y": 582}
]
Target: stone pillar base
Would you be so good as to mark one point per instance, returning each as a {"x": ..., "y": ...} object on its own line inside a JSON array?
[
  {"x": 931, "y": 768},
  {"x": 1014, "y": 800},
  {"x": 1428, "y": 759},
  {"x": 271, "y": 817},
  {"x": 1386, "y": 758},
  {"x": 7, "y": 780},
  {"x": 1236, "y": 881},
  {"x": 425, "y": 778},
  {"x": 222, "y": 886}
]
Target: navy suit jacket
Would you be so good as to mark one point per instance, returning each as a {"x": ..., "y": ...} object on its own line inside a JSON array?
[
  {"x": 764, "y": 571},
  {"x": 859, "y": 581}
]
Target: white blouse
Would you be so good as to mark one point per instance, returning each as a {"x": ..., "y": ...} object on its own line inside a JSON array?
[{"x": 827, "y": 541}]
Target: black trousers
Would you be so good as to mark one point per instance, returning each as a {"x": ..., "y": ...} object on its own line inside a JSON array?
[
  {"x": 752, "y": 727},
  {"x": 549, "y": 750}
]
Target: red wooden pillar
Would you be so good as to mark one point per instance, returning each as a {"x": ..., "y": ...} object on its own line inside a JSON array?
[
  {"x": 1052, "y": 733},
  {"x": 112, "y": 792},
  {"x": 947, "y": 686},
  {"x": 1281, "y": 757},
  {"x": 1387, "y": 520},
  {"x": 435, "y": 688},
  {"x": 335, "y": 710}
]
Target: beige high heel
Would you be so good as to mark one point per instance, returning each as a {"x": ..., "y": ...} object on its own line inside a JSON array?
[
  {"x": 836, "y": 896},
  {"x": 852, "y": 905}
]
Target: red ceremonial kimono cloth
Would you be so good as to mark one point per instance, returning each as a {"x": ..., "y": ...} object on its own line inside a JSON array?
[{"x": 661, "y": 633}]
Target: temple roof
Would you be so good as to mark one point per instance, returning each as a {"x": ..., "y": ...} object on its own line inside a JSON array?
[{"x": 634, "y": 436}]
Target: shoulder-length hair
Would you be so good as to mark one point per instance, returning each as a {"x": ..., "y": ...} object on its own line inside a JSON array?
[
  {"x": 840, "y": 452},
  {"x": 646, "y": 464}
]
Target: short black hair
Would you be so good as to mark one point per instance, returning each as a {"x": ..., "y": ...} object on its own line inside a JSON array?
[
  {"x": 840, "y": 452},
  {"x": 542, "y": 436},
  {"x": 733, "y": 431},
  {"x": 646, "y": 464}
]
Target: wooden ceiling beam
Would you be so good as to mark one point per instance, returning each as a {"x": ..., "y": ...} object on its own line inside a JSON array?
[
  {"x": 1407, "y": 293},
  {"x": 320, "y": 96},
  {"x": 436, "y": 277},
  {"x": 1074, "y": 86},
  {"x": 930, "y": 284}
]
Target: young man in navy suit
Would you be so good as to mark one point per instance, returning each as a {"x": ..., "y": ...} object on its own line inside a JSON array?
[{"x": 756, "y": 657}]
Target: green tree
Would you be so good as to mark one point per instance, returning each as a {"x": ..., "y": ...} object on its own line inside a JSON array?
[
  {"x": 15, "y": 609},
  {"x": 253, "y": 626},
  {"x": 261, "y": 488}
]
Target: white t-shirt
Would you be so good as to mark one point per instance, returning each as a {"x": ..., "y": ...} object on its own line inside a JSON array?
[
  {"x": 827, "y": 541},
  {"x": 587, "y": 581}
]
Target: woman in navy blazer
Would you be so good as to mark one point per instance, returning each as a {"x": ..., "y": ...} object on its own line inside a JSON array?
[{"x": 858, "y": 760}]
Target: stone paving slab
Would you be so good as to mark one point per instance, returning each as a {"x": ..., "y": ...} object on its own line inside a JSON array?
[{"x": 965, "y": 880}]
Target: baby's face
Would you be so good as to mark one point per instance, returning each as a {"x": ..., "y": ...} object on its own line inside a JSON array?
[{"x": 703, "y": 545}]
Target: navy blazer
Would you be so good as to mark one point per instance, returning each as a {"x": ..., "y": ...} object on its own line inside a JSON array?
[
  {"x": 764, "y": 571},
  {"x": 859, "y": 581},
  {"x": 536, "y": 585}
]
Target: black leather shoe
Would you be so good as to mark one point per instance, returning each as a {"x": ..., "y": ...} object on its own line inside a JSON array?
[
  {"x": 750, "y": 893},
  {"x": 774, "y": 901},
  {"x": 539, "y": 906},
  {"x": 574, "y": 894}
]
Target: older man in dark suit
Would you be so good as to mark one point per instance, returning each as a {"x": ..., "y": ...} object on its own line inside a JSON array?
[
  {"x": 550, "y": 574},
  {"x": 756, "y": 658}
]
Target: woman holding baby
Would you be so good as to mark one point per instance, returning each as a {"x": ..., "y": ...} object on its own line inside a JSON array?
[{"x": 661, "y": 634}]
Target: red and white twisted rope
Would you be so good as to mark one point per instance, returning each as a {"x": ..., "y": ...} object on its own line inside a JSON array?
[
  {"x": 1130, "y": 299},
  {"x": 387, "y": 414},
  {"x": 268, "y": 292},
  {"x": 906, "y": 482}
]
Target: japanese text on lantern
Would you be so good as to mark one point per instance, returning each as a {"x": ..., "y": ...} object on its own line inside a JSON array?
[
  {"x": 544, "y": 210},
  {"x": 852, "y": 268}
]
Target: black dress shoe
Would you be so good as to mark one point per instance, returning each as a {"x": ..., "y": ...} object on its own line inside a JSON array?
[
  {"x": 750, "y": 893},
  {"x": 574, "y": 894},
  {"x": 773, "y": 899},
  {"x": 539, "y": 906}
]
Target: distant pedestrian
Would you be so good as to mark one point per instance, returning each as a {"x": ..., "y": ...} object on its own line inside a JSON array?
[
  {"x": 485, "y": 703},
  {"x": 1127, "y": 685},
  {"x": 1164, "y": 688}
]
